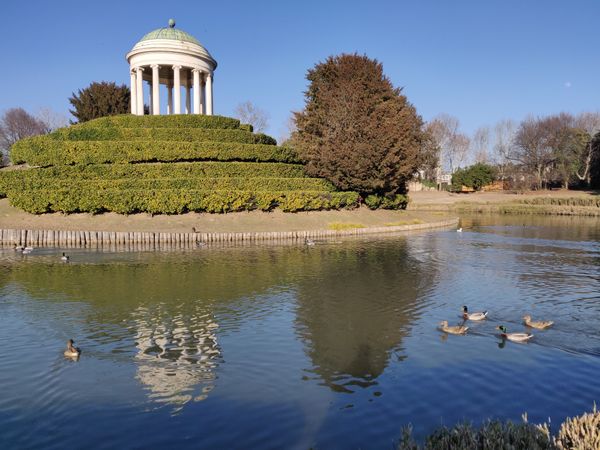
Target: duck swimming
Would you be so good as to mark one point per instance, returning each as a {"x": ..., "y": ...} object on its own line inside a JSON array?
[
  {"x": 540, "y": 324},
  {"x": 458, "y": 329},
  {"x": 516, "y": 337},
  {"x": 473, "y": 316},
  {"x": 72, "y": 351},
  {"x": 64, "y": 257}
]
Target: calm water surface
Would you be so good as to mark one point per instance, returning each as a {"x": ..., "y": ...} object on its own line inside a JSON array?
[{"x": 333, "y": 346}]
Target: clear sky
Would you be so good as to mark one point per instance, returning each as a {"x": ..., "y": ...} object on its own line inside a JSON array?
[{"x": 480, "y": 60}]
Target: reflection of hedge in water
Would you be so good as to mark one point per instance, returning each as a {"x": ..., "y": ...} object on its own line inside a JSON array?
[
  {"x": 358, "y": 312},
  {"x": 177, "y": 280}
]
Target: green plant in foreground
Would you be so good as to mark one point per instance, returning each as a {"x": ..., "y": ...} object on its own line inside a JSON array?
[{"x": 576, "y": 433}]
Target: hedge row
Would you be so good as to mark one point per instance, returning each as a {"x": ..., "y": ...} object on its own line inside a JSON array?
[
  {"x": 166, "y": 121},
  {"x": 149, "y": 171},
  {"x": 81, "y": 133},
  {"x": 45, "y": 151},
  {"x": 255, "y": 184},
  {"x": 176, "y": 201}
]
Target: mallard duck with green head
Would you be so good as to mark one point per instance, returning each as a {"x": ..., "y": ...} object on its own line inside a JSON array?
[{"x": 515, "y": 337}]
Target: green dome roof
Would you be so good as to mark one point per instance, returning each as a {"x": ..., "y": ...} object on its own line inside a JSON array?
[{"x": 170, "y": 33}]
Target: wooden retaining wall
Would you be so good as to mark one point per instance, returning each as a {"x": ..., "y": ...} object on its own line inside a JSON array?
[{"x": 57, "y": 238}]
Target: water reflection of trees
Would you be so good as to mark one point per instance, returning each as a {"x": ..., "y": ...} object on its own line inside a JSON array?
[
  {"x": 165, "y": 306},
  {"x": 356, "y": 308}
]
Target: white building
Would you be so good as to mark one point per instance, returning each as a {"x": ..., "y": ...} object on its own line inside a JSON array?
[{"x": 176, "y": 60}]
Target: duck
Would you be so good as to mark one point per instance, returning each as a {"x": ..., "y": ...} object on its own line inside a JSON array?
[
  {"x": 19, "y": 248},
  {"x": 540, "y": 324},
  {"x": 72, "y": 351},
  {"x": 473, "y": 316},
  {"x": 459, "y": 230},
  {"x": 516, "y": 337},
  {"x": 64, "y": 257},
  {"x": 458, "y": 329},
  {"x": 309, "y": 242}
]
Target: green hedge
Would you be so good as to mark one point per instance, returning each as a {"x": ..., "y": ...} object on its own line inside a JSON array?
[
  {"x": 167, "y": 121},
  {"x": 175, "y": 201},
  {"x": 149, "y": 171},
  {"x": 45, "y": 151},
  {"x": 398, "y": 201},
  {"x": 256, "y": 184},
  {"x": 80, "y": 133}
]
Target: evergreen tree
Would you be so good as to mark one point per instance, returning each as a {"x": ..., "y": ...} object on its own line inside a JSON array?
[
  {"x": 357, "y": 130},
  {"x": 99, "y": 100}
]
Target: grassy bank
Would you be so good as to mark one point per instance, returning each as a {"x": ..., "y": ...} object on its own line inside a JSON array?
[
  {"x": 580, "y": 432},
  {"x": 567, "y": 203}
]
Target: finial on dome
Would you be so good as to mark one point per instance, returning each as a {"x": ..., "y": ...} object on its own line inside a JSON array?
[{"x": 171, "y": 23}]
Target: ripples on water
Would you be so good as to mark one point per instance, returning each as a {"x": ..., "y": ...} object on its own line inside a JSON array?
[{"x": 333, "y": 346}]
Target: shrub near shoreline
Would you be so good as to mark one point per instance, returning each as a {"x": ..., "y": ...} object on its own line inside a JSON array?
[{"x": 577, "y": 433}]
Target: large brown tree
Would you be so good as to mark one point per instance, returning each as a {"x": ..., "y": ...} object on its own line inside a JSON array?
[
  {"x": 357, "y": 129},
  {"x": 99, "y": 100}
]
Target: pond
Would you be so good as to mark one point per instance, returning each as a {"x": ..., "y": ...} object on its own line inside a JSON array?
[{"x": 331, "y": 346}]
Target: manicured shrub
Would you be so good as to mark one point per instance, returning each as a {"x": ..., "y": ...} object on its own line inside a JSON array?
[
  {"x": 169, "y": 121},
  {"x": 207, "y": 169},
  {"x": 81, "y": 133},
  {"x": 44, "y": 151},
  {"x": 201, "y": 183},
  {"x": 175, "y": 201}
]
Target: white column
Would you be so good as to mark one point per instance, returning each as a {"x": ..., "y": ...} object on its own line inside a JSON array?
[
  {"x": 155, "y": 90},
  {"x": 133, "y": 90},
  {"x": 169, "y": 98},
  {"x": 209, "y": 94},
  {"x": 188, "y": 99},
  {"x": 196, "y": 73},
  {"x": 150, "y": 97},
  {"x": 177, "y": 88},
  {"x": 139, "y": 91},
  {"x": 202, "y": 96}
]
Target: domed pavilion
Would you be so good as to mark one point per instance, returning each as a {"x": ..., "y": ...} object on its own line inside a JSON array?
[{"x": 175, "y": 59}]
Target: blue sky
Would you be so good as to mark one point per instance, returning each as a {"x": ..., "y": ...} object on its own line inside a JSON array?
[{"x": 480, "y": 61}]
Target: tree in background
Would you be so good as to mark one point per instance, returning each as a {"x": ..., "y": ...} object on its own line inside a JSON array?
[
  {"x": 480, "y": 145},
  {"x": 590, "y": 124},
  {"x": 99, "y": 100},
  {"x": 430, "y": 155},
  {"x": 358, "y": 130},
  {"x": 53, "y": 120},
  {"x": 453, "y": 144},
  {"x": 475, "y": 177},
  {"x": 532, "y": 149},
  {"x": 504, "y": 141},
  {"x": 595, "y": 162},
  {"x": 15, "y": 124},
  {"x": 247, "y": 112}
]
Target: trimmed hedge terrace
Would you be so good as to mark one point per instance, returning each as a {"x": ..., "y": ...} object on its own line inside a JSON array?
[{"x": 162, "y": 165}]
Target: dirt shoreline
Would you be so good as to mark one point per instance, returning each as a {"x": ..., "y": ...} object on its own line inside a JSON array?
[{"x": 425, "y": 207}]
